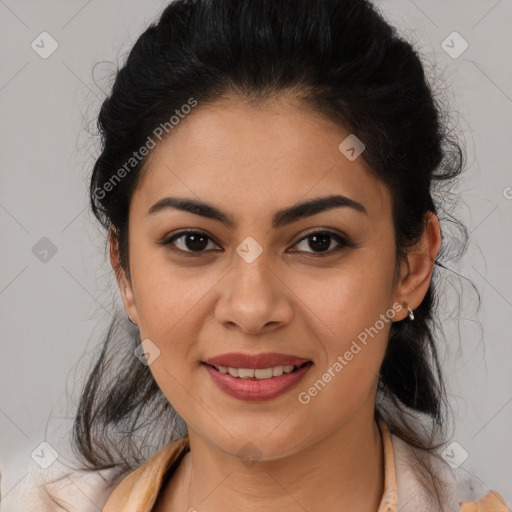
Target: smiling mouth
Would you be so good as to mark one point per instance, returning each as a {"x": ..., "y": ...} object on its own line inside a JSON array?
[{"x": 258, "y": 373}]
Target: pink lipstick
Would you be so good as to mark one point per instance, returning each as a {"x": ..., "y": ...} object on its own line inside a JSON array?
[{"x": 252, "y": 377}]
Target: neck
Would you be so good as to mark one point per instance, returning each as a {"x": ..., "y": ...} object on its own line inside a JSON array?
[{"x": 342, "y": 472}]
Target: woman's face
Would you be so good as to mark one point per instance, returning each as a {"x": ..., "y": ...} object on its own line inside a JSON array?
[{"x": 256, "y": 284}]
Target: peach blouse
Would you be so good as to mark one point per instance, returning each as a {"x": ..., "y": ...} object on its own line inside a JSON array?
[{"x": 139, "y": 490}]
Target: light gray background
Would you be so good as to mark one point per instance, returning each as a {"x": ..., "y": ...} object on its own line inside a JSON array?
[{"x": 52, "y": 312}]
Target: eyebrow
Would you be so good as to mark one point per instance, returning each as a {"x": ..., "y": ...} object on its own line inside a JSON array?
[{"x": 281, "y": 218}]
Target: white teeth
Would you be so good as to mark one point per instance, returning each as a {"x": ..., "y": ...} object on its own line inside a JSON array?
[
  {"x": 258, "y": 373},
  {"x": 277, "y": 371},
  {"x": 246, "y": 373},
  {"x": 262, "y": 373},
  {"x": 233, "y": 372}
]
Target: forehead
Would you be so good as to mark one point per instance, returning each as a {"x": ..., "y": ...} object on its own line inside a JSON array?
[{"x": 250, "y": 157}]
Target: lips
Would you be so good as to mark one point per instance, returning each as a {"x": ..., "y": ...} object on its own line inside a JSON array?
[
  {"x": 256, "y": 361},
  {"x": 258, "y": 389}
]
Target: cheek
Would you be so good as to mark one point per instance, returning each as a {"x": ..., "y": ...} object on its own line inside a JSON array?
[
  {"x": 351, "y": 298},
  {"x": 352, "y": 316},
  {"x": 347, "y": 371},
  {"x": 168, "y": 296}
]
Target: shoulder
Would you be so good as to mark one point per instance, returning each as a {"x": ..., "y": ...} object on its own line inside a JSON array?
[
  {"x": 456, "y": 486},
  {"x": 491, "y": 502},
  {"x": 59, "y": 489},
  {"x": 140, "y": 488}
]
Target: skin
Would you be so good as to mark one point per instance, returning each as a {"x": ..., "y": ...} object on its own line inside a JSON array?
[{"x": 252, "y": 161}]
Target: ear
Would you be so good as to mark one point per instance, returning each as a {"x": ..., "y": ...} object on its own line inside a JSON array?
[
  {"x": 125, "y": 286},
  {"x": 416, "y": 272}
]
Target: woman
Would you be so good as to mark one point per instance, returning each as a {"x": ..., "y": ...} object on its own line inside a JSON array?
[{"x": 267, "y": 180}]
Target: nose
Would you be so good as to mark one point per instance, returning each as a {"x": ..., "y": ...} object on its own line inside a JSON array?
[{"x": 254, "y": 298}]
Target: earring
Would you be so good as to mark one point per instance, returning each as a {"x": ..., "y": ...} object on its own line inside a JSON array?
[
  {"x": 131, "y": 320},
  {"x": 411, "y": 314}
]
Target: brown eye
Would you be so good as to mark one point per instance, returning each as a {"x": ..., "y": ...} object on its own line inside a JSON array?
[
  {"x": 189, "y": 241},
  {"x": 320, "y": 242}
]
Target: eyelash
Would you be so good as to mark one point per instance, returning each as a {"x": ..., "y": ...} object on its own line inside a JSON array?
[{"x": 343, "y": 243}]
